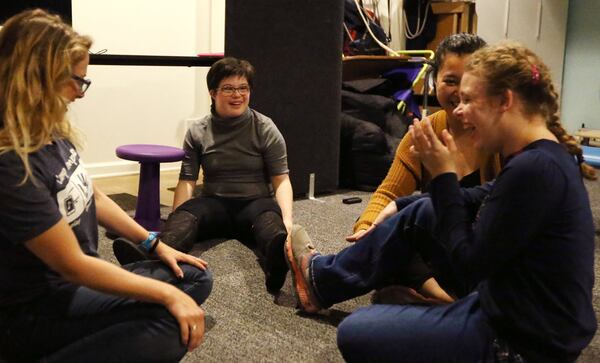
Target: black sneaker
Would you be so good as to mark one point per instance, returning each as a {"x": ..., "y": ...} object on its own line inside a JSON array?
[{"x": 128, "y": 252}]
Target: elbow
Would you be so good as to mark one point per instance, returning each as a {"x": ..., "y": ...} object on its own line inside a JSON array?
[
  {"x": 73, "y": 270},
  {"x": 98, "y": 195}
]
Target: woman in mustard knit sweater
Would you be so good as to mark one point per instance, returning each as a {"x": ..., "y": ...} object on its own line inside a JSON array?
[{"x": 407, "y": 174}]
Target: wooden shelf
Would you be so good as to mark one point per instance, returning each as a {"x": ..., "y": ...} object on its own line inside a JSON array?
[
  {"x": 452, "y": 18},
  {"x": 369, "y": 66},
  {"x": 588, "y": 134},
  {"x": 373, "y": 66}
]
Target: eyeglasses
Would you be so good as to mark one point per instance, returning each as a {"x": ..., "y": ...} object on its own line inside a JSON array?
[
  {"x": 228, "y": 91},
  {"x": 83, "y": 83}
]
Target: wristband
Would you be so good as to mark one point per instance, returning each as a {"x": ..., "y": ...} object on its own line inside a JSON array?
[
  {"x": 147, "y": 244},
  {"x": 154, "y": 245}
]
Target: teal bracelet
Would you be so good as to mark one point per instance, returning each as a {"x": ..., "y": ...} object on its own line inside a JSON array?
[{"x": 147, "y": 244}]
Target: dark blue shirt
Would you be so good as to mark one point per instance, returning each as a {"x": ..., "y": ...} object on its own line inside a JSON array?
[
  {"x": 531, "y": 248},
  {"x": 60, "y": 188}
]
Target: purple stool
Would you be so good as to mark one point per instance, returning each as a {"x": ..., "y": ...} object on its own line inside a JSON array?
[{"x": 147, "y": 211}]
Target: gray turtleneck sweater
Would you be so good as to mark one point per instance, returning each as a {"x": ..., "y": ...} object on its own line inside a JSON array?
[{"x": 238, "y": 156}]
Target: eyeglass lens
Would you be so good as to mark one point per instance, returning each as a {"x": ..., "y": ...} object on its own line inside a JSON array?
[
  {"x": 229, "y": 90},
  {"x": 83, "y": 83}
]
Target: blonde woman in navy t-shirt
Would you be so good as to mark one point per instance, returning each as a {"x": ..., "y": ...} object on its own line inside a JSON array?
[{"x": 58, "y": 300}]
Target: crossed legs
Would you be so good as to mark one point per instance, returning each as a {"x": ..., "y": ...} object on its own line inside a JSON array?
[
  {"x": 405, "y": 333},
  {"x": 92, "y": 321}
]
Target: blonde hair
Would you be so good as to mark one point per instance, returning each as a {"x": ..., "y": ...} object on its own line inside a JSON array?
[
  {"x": 37, "y": 53},
  {"x": 511, "y": 66}
]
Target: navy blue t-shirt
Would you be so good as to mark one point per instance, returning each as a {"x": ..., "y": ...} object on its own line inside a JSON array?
[
  {"x": 60, "y": 188},
  {"x": 531, "y": 248}
]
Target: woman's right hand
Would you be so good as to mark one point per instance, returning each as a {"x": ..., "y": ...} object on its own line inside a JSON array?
[
  {"x": 189, "y": 316},
  {"x": 386, "y": 213}
]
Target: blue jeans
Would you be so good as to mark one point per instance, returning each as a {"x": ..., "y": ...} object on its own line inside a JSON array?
[
  {"x": 75, "y": 323},
  {"x": 377, "y": 258},
  {"x": 458, "y": 332}
]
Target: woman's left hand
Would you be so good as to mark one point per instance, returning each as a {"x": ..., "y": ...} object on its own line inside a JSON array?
[
  {"x": 438, "y": 157},
  {"x": 171, "y": 257}
]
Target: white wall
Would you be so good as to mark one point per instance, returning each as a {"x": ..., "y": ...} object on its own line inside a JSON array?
[
  {"x": 210, "y": 39},
  {"x": 581, "y": 87},
  {"x": 142, "y": 104},
  {"x": 540, "y": 25}
]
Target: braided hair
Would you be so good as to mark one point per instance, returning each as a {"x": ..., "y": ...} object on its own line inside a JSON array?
[{"x": 510, "y": 65}]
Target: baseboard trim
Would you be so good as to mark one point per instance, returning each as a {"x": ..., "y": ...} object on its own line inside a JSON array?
[{"x": 120, "y": 168}]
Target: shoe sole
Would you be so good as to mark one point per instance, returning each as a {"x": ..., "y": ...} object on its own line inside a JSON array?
[
  {"x": 126, "y": 252},
  {"x": 300, "y": 289}
]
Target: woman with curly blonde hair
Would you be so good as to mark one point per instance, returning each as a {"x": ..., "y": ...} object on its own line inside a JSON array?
[
  {"x": 58, "y": 300},
  {"x": 518, "y": 252}
]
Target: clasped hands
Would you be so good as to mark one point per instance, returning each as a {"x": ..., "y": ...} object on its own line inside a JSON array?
[{"x": 438, "y": 156}]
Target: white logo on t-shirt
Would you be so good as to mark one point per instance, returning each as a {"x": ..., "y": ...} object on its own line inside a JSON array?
[{"x": 77, "y": 195}]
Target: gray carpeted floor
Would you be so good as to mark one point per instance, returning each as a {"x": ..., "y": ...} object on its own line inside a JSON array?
[{"x": 245, "y": 323}]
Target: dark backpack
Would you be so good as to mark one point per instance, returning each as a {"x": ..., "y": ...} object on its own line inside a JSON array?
[{"x": 357, "y": 39}]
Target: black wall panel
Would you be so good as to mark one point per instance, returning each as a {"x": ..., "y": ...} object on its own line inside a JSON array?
[
  {"x": 9, "y": 8},
  {"x": 295, "y": 46}
]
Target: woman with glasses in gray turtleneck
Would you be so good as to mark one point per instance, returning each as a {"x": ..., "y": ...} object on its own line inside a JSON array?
[{"x": 246, "y": 191}]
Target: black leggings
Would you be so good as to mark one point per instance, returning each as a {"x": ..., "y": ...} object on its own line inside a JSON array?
[{"x": 228, "y": 218}]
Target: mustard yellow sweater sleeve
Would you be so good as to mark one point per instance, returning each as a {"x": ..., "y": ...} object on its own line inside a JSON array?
[{"x": 403, "y": 178}]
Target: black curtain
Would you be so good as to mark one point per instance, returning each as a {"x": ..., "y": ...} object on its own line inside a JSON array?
[{"x": 296, "y": 48}]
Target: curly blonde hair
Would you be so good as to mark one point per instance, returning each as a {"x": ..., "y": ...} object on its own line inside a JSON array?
[
  {"x": 510, "y": 65},
  {"x": 37, "y": 53}
]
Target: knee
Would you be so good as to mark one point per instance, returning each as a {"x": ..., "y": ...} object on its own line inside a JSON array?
[
  {"x": 268, "y": 219},
  {"x": 162, "y": 342},
  {"x": 268, "y": 225},
  {"x": 180, "y": 230},
  {"x": 377, "y": 334},
  {"x": 198, "y": 283},
  {"x": 350, "y": 340},
  {"x": 422, "y": 213},
  {"x": 423, "y": 206},
  {"x": 182, "y": 219}
]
